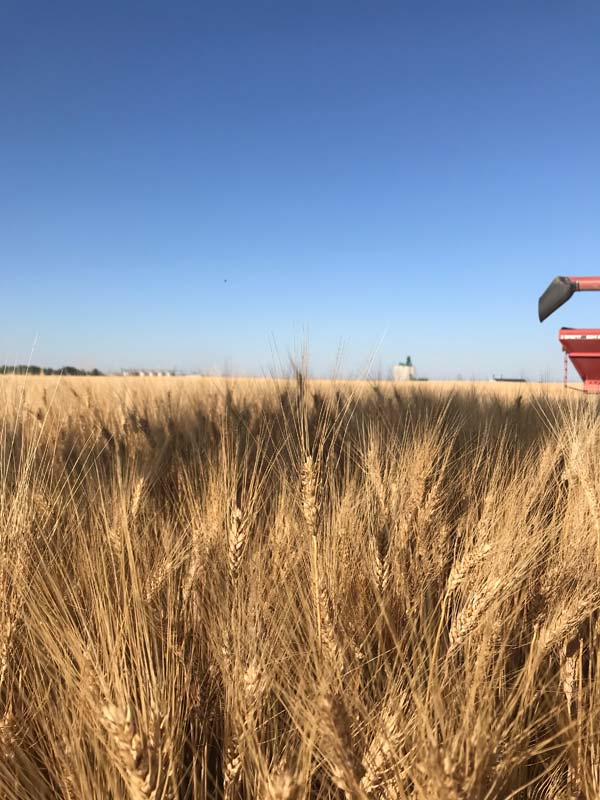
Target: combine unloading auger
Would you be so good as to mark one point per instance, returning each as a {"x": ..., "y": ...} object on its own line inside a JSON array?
[{"x": 582, "y": 345}]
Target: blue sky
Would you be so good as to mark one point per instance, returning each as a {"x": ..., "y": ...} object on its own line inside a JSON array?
[{"x": 209, "y": 186}]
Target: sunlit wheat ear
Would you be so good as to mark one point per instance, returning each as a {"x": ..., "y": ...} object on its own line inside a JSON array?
[
  {"x": 470, "y": 615},
  {"x": 254, "y": 686},
  {"x": 196, "y": 557},
  {"x": 138, "y": 756},
  {"x": 227, "y": 650},
  {"x": 310, "y": 506},
  {"x": 451, "y": 783},
  {"x": 6, "y": 634},
  {"x": 380, "y": 759},
  {"x": 563, "y": 625},
  {"x": 346, "y": 768},
  {"x": 281, "y": 786},
  {"x": 439, "y": 771},
  {"x": 17, "y": 547},
  {"x": 8, "y": 736},
  {"x": 430, "y": 506},
  {"x": 577, "y": 469},
  {"x": 238, "y": 537},
  {"x": 136, "y": 498},
  {"x": 374, "y": 475},
  {"x": 114, "y": 536},
  {"x": 69, "y": 775},
  {"x": 569, "y": 668},
  {"x": 159, "y": 575},
  {"x": 232, "y": 767},
  {"x": 329, "y": 635},
  {"x": 379, "y": 549},
  {"x": 466, "y": 566},
  {"x": 310, "y": 512}
]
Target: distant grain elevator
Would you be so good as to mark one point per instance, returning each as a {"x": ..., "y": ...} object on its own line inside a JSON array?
[{"x": 404, "y": 371}]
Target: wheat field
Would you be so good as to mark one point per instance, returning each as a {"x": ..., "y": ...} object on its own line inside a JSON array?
[{"x": 283, "y": 589}]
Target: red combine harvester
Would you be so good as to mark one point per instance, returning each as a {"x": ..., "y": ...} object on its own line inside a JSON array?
[{"x": 582, "y": 345}]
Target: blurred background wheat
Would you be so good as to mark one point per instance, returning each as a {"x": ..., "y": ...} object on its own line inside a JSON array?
[{"x": 297, "y": 589}]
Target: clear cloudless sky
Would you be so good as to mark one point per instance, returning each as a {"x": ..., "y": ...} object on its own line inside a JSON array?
[{"x": 208, "y": 186}]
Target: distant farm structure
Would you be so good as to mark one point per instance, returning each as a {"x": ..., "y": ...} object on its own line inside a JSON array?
[
  {"x": 148, "y": 372},
  {"x": 404, "y": 370}
]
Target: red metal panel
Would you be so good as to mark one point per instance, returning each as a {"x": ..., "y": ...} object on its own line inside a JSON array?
[
  {"x": 589, "y": 284},
  {"x": 583, "y": 348}
]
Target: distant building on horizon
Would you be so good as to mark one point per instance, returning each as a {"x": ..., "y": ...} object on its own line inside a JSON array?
[
  {"x": 404, "y": 370},
  {"x": 148, "y": 372}
]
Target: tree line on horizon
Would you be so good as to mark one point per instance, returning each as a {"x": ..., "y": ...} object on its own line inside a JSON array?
[{"x": 32, "y": 369}]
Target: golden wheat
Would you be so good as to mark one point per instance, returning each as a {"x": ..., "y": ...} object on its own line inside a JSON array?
[{"x": 326, "y": 588}]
